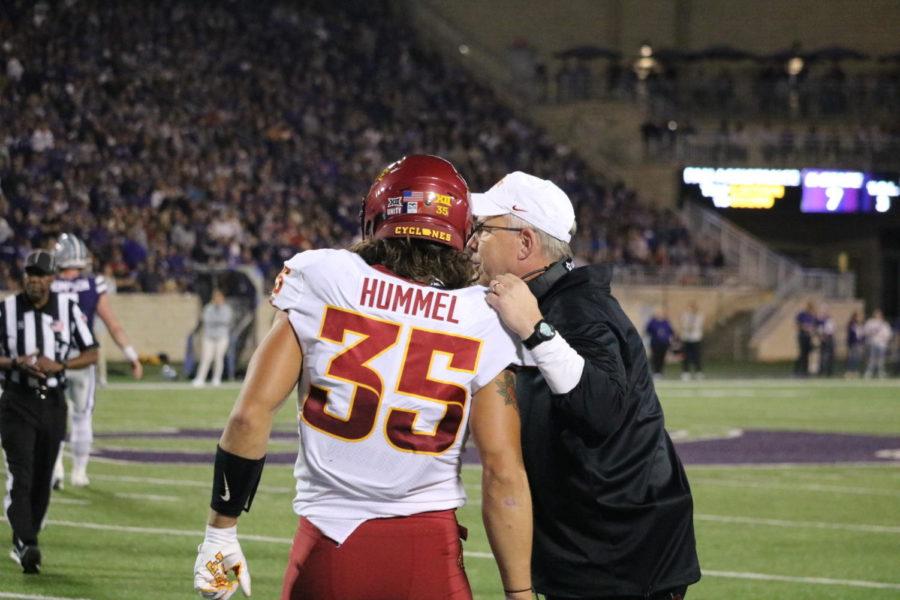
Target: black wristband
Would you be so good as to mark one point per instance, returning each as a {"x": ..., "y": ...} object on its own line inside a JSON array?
[{"x": 235, "y": 480}]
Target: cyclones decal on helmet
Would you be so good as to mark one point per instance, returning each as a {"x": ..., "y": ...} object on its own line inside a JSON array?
[{"x": 419, "y": 196}]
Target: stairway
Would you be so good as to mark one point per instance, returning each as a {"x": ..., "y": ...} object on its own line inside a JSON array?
[{"x": 729, "y": 340}]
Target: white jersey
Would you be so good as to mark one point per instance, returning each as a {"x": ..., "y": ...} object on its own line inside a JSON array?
[{"x": 389, "y": 371}]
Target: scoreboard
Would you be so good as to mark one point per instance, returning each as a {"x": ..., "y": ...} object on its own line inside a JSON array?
[{"x": 793, "y": 190}]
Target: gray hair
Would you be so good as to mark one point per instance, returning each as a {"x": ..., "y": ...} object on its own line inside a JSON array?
[{"x": 554, "y": 249}]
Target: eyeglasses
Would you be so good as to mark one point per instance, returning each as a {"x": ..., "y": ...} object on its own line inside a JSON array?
[{"x": 484, "y": 228}]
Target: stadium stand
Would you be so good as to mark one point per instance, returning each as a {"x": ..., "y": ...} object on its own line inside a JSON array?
[{"x": 179, "y": 135}]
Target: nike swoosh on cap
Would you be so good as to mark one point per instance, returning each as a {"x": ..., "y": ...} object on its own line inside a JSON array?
[{"x": 516, "y": 208}]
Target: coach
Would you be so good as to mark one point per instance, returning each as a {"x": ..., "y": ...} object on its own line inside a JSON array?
[
  {"x": 612, "y": 506},
  {"x": 38, "y": 329}
]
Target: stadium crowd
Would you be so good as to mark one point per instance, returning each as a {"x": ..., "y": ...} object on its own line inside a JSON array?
[{"x": 175, "y": 135}]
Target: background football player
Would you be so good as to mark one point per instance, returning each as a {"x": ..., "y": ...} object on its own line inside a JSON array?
[{"x": 73, "y": 260}]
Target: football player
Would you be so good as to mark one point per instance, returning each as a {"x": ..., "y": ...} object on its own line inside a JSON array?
[
  {"x": 396, "y": 358},
  {"x": 89, "y": 290}
]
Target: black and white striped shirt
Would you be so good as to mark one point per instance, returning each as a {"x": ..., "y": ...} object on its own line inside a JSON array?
[{"x": 50, "y": 331}]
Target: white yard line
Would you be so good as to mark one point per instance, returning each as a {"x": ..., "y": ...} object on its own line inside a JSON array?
[
  {"x": 36, "y": 597},
  {"x": 267, "y": 489},
  {"x": 679, "y": 435},
  {"x": 56, "y": 499},
  {"x": 158, "y": 531},
  {"x": 197, "y": 534},
  {"x": 150, "y": 497},
  {"x": 807, "y": 487},
  {"x": 862, "y": 528},
  {"x": 769, "y": 382},
  {"x": 475, "y": 500},
  {"x": 728, "y": 393},
  {"x": 880, "y": 585},
  {"x": 474, "y": 492},
  {"x": 151, "y": 480},
  {"x": 181, "y": 483},
  {"x": 160, "y": 385},
  {"x": 787, "y": 466}
]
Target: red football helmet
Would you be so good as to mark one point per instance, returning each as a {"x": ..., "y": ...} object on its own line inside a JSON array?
[{"x": 419, "y": 196}]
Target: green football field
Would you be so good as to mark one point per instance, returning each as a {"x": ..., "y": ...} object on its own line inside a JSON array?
[{"x": 779, "y": 527}]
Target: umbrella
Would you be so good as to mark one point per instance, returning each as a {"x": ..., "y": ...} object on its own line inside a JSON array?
[
  {"x": 835, "y": 53},
  {"x": 588, "y": 53},
  {"x": 722, "y": 52}
]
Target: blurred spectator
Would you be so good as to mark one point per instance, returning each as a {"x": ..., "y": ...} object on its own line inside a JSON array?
[
  {"x": 691, "y": 336},
  {"x": 878, "y": 335},
  {"x": 216, "y": 320},
  {"x": 893, "y": 359},
  {"x": 825, "y": 329},
  {"x": 661, "y": 335},
  {"x": 806, "y": 328},
  {"x": 854, "y": 346}
]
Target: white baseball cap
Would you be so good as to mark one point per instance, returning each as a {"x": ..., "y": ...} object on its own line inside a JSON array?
[{"x": 536, "y": 201}]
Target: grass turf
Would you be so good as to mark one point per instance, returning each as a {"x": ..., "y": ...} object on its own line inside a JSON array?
[{"x": 785, "y": 532}]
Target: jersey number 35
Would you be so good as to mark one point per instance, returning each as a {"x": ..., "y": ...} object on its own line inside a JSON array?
[{"x": 351, "y": 365}]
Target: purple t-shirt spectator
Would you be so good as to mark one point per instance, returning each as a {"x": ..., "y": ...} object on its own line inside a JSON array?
[
  {"x": 660, "y": 332},
  {"x": 806, "y": 321}
]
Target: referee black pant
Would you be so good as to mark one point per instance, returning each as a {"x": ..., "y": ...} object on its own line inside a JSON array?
[{"x": 32, "y": 427}]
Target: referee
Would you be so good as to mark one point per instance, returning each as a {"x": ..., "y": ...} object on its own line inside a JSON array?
[{"x": 39, "y": 328}]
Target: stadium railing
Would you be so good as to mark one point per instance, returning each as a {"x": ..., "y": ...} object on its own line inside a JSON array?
[{"x": 760, "y": 266}]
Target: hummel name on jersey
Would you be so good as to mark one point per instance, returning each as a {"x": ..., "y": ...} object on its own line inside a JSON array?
[{"x": 409, "y": 299}]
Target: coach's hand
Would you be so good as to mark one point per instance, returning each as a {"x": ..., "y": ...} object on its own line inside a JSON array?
[
  {"x": 220, "y": 553},
  {"x": 514, "y": 302}
]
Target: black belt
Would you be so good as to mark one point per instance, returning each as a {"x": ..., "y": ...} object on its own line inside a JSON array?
[{"x": 22, "y": 389}]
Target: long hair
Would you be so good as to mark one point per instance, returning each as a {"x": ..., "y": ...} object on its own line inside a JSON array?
[{"x": 420, "y": 260}]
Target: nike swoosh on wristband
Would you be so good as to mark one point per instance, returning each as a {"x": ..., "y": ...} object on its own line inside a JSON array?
[
  {"x": 517, "y": 209},
  {"x": 227, "y": 495}
]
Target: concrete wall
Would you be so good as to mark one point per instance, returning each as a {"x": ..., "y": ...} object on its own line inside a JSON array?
[
  {"x": 161, "y": 322},
  {"x": 778, "y": 340},
  {"x": 154, "y": 323},
  {"x": 717, "y": 305}
]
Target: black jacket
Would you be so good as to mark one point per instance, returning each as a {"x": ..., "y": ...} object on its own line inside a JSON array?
[{"x": 613, "y": 508}]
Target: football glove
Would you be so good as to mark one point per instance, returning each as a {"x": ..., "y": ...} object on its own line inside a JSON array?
[{"x": 220, "y": 553}]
